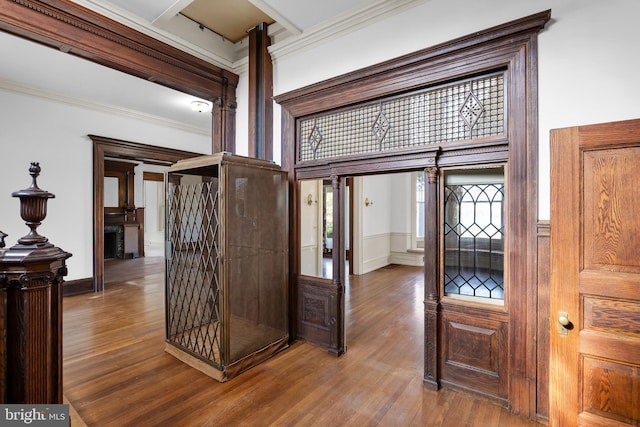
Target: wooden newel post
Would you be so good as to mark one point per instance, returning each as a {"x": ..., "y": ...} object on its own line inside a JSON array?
[
  {"x": 31, "y": 275},
  {"x": 431, "y": 281}
]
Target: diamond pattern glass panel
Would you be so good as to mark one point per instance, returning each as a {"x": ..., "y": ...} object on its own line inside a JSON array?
[
  {"x": 474, "y": 240},
  {"x": 464, "y": 110},
  {"x": 193, "y": 310}
]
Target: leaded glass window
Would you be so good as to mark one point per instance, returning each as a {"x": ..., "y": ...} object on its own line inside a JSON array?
[{"x": 474, "y": 234}]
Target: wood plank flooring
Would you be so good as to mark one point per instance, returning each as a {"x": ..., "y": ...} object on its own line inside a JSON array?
[{"x": 117, "y": 374}]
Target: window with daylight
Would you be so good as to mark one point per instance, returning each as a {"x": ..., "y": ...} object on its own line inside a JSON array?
[{"x": 474, "y": 234}]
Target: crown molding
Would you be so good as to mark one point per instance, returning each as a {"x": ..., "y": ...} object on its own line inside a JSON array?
[
  {"x": 340, "y": 26},
  {"x": 22, "y": 89}
]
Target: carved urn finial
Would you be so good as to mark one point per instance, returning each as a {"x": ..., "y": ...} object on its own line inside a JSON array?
[{"x": 33, "y": 207}]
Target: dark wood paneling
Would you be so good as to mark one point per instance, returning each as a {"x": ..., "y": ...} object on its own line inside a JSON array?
[
  {"x": 316, "y": 310},
  {"x": 543, "y": 314},
  {"x": 474, "y": 350}
]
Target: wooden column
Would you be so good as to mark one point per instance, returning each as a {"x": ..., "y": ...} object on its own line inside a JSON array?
[
  {"x": 224, "y": 122},
  {"x": 260, "y": 94},
  {"x": 431, "y": 280},
  {"x": 337, "y": 345}
]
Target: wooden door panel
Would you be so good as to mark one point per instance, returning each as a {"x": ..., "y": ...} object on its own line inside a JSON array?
[
  {"x": 595, "y": 258},
  {"x": 474, "y": 350},
  {"x": 610, "y": 391},
  {"x": 610, "y": 315},
  {"x": 611, "y": 222}
]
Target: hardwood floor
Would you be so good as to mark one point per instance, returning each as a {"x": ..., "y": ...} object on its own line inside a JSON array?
[{"x": 116, "y": 372}]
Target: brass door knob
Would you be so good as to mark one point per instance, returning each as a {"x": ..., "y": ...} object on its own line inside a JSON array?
[{"x": 563, "y": 319}]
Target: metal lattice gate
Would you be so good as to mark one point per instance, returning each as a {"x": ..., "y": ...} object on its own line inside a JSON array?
[{"x": 193, "y": 270}]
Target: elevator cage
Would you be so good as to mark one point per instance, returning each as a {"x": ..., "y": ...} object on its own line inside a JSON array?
[{"x": 226, "y": 262}]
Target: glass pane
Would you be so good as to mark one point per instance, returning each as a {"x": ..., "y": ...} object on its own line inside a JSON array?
[
  {"x": 474, "y": 238},
  {"x": 311, "y": 228},
  {"x": 420, "y": 205}
]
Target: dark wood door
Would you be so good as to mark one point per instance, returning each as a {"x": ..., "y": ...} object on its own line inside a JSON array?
[{"x": 595, "y": 275}]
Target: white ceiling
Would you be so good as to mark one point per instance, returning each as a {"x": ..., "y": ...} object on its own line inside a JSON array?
[
  {"x": 295, "y": 15},
  {"x": 36, "y": 69}
]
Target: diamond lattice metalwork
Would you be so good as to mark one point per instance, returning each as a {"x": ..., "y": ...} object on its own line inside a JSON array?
[
  {"x": 315, "y": 137},
  {"x": 380, "y": 126},
  {"x": 193, "y": 279},
  {"x": 471, "y": 110}
]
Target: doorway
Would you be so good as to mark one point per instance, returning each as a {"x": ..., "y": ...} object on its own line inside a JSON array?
[
  {"x": 126, "y": 150},
  {"x": 467, "y": 103}
]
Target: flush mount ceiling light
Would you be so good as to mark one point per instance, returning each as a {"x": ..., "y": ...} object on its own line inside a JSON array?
[{"x": 200, "y": 106}]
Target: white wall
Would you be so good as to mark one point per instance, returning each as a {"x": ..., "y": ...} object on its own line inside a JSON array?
[
  {"x": 55, "y": 135},
  {"x": 376, "y": 222},
  {"x": 587, "y": 57}
]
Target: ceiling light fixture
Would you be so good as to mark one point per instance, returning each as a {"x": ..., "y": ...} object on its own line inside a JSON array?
[{"x": 201, "y": 106}]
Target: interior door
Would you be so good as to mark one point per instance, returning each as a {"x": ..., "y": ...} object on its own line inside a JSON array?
[{"x": 595, "y": 275}]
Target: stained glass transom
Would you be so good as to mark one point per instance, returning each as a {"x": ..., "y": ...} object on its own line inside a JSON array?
[{"x": 464, "y": 110}]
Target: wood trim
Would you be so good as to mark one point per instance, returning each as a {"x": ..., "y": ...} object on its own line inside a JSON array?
[
  {"x": 431, "y": 281},
  {"x": 110, "y": 147},
  {"x": 411, "y": 71},
  {"x": 152, "y": 176},
  {"x": 72, "y": 28},
  {"x": 337, "y": 342},
  {"x": 565, "y": 197},
  {"x": 78, "y": 286},
  {"x": 260, "y": 94}
]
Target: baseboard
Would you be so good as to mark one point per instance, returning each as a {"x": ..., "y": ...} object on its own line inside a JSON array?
[
  {"x": 407, "y": 258},
  {"x": 78, "y": 286},
  {"x": 376, "y": 263}
]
